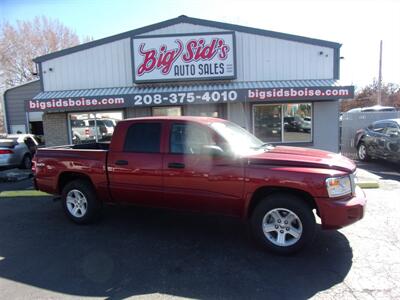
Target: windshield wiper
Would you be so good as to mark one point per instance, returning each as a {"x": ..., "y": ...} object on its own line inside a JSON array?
[{"x": 266, "y": 146}]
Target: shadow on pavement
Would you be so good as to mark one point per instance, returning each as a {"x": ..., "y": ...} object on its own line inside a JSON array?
[
  {"x": 384, "y": 169},
  {"x": 136, "y": 251}
]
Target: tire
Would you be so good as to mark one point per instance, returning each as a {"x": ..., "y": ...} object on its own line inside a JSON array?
[
  {"x": 362, "y": 153},
  {"x": 79, "y": 202},
  {"x": 26, "y": 162},
  {"x": 269, "y": 227}
]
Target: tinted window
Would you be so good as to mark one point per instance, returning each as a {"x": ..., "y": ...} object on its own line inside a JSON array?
[
  {"x": 392, "y": 128},
  {"x": 379, "y": 127},
  {"x": 189, "y": 139},
  {"x": 143, "y": 137}
]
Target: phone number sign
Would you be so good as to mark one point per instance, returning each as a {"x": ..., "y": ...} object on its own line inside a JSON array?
[{"x": 184, "y": 57}]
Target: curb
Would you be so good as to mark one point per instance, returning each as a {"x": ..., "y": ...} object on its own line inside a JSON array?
[
  {"x": 373, "y": 184},
  {"x": 26, "y": 193}
]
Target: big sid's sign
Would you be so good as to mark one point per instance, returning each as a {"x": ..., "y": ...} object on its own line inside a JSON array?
[{"x": 184, "y": 57}]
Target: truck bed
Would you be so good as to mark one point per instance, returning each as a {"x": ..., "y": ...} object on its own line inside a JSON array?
[{"x": 89, "y": 159}]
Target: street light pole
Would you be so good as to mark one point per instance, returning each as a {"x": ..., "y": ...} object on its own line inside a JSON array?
[{"x": 380, "y": 76}]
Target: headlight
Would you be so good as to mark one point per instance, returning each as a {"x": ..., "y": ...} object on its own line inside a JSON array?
[{"x": 338, "y": 186}]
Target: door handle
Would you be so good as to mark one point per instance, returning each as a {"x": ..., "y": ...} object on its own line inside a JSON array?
[
  {"x": 175, "y": 165},
  {"x": 121, "y": 162}
]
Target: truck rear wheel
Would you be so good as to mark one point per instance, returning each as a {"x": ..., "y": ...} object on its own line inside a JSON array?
[
  {"x": 79, "y": 202},
  {"x": 283, "y": 223}
]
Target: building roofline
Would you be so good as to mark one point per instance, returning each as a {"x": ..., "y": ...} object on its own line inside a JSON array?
[
  {"x": 194, "y": 21},
  {"x": 17, "y": 86}
]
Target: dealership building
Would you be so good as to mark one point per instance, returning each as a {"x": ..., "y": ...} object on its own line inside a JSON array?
[{"x": 283, "y": 88}]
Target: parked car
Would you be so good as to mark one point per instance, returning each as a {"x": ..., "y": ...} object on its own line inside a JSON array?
[
  {"x": 82, "y": 131},
  {"x": 17, "y": 150},
  {"x": 206, "y": 165},
  {"x": 381, "y": 139},
  {"x": 105, "y": 127},
  {"x": 297, "y": 123},
  {"x": 306, "y": 124}
]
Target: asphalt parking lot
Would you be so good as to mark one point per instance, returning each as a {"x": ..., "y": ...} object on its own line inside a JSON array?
[{"x": 159, "y": 254}]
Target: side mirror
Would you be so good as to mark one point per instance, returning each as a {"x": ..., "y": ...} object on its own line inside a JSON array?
[{"x": 212, "y": 150}]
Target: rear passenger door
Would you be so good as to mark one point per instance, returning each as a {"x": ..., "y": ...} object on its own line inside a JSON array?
[{"x": 135, "y": 171}]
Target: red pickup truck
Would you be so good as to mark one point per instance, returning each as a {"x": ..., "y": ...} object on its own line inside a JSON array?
[{"x": 206, "y": 165}]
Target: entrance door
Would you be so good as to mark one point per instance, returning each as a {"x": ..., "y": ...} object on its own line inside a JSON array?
[{"x": 196, "y": 180}]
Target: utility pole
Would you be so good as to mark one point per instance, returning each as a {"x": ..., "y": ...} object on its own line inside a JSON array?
[{"x": 380, "y": 76}]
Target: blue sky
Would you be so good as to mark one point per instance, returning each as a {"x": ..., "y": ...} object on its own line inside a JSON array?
[{"x": 357, "y": 24}]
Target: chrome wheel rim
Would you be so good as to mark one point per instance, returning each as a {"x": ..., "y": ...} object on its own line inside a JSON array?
[
  {"x": 282, "y": 227},
  {"x": 76, "y": 203},
  {"x": 362, "y": 151}
]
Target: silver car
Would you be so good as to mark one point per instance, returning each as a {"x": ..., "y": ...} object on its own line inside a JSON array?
[{"x": 17, "y": 150}]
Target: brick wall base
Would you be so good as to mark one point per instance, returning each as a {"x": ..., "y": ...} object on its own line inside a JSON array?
[{"x": 55, "y": 129}]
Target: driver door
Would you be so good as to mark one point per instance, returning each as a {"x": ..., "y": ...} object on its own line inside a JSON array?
[
  {"x": 197, "y": 180},
  {"x": 392, "y": 142}
]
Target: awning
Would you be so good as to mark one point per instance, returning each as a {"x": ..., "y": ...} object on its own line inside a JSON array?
[{"x": 185, "y": 94}]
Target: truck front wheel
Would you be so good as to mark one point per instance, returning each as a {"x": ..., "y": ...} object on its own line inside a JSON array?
[
  {"x": 79, "y": 202},
  {"x": 283, "y": 223}
]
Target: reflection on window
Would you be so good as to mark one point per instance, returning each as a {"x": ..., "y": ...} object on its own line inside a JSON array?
[
  {"x": 167, "y": 111},
  {"x": 297, "y": 122},
  {"x": 283, "y": 122},
  {"x": 188, "y": 139},
  {"x": 93, "y": 127},
  {"x": 267, "y": 122}
]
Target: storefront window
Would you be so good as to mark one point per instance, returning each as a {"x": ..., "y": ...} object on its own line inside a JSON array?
[
  {"x": 93, "y": 127},
  {"x": 268, "y": 122},
  {"x": 167, "y": 111},
  {"x": 289, "y": 123},
  {"x": 208, "y": 110}
]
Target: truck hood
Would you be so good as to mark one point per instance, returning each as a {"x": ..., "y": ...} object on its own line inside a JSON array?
[{"x": 303, "y": 157}]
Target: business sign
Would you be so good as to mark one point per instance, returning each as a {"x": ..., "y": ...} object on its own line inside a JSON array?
[
  {"x": 216, "y": 95},
  {"x": 184, "y": 57}
]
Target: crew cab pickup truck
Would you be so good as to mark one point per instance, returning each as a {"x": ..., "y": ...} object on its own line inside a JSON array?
[{"x": 206, "y": 165}]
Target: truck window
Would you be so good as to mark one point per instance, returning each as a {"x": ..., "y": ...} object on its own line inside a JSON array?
[
  {"x": 189, "y": 139},
  {"x": 143, "y": 138}
]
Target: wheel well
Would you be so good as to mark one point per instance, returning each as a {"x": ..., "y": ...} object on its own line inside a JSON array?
[
  {"x": 360, "y": 140},
  {"x": 67, "y": 177},
  {"x": 262, "y": 192}
]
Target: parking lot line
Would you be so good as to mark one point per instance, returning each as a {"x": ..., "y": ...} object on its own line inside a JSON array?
[{"x": 25, "y": 193}]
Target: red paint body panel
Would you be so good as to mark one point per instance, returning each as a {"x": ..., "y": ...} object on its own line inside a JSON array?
[{"x": 223, "y": 184}]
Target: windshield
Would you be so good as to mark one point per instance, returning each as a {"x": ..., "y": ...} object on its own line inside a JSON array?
[{"x": 240, "y": 140}]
